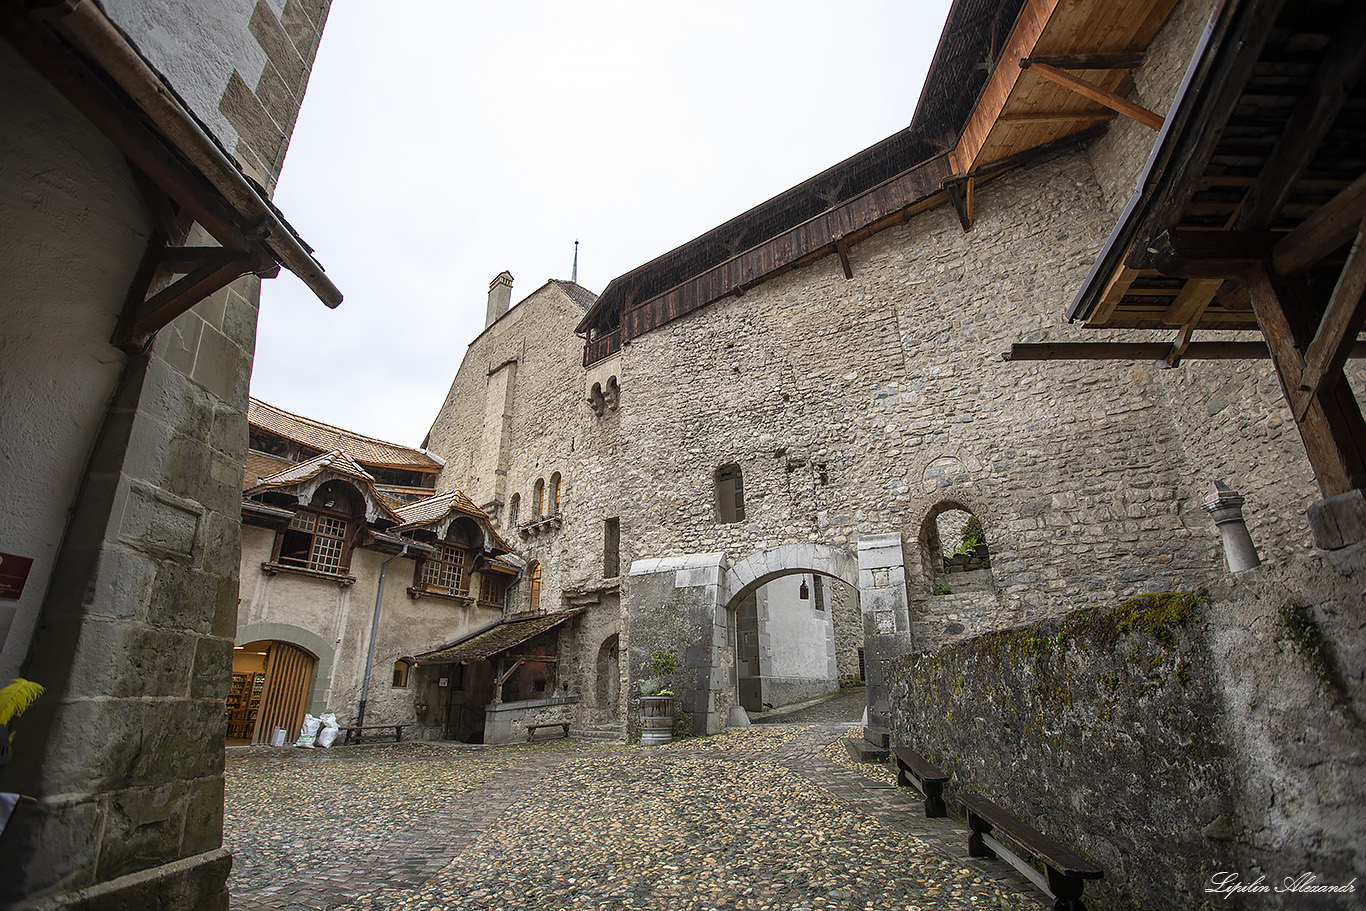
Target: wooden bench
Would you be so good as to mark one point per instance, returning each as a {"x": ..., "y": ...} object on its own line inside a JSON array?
[
  {"x": 1067, "y": 871},
  {"x": 916, "y": 771},
  {"x": 532, "y": 728},
  {"x": 359, "y": 732}
]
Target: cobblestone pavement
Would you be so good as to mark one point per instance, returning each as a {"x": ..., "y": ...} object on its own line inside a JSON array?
[{"x": 767, "y": 817}]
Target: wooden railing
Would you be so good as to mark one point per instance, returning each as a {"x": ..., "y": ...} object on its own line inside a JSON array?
[{"x": 602, "y": 347}]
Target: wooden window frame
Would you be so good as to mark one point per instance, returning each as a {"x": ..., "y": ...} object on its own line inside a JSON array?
[
  {"x": 402, "y": 669},
  {"x": 553, "y": 498},
  {"x": 487, "y": 582},
  {"x": 729, "y": 485},
  {"x": 330, "y": 542},
  {"x": 533, "y": 600},
  {"x": 538, "y": 500},
  {"x": 451, "y": 561}
]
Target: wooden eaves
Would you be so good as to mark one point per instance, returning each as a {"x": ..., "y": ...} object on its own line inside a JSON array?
[
  {"x": 183, "y": 174},
  {"x": 1015, "y": 117},
  {"x": 1249, "y": 215}
]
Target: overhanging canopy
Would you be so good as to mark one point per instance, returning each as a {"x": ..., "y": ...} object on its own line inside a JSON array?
[{"x": 506, "y": 635}]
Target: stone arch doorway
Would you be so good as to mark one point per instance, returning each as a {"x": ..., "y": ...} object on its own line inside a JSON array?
[
  {"x": 795, "y": 625},
  {"x": 271, "y": 681},
  {"x": 283, "y": 671},
  {"x": 960, "y": 597},
  {"x": 607, "y": 684}
]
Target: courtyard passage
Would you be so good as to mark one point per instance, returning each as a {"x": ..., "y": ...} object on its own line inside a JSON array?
[{"x": 767, "y": 817}]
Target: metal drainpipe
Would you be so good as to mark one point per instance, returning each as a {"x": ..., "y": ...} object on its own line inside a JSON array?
[{"x": 374, "y": 634}]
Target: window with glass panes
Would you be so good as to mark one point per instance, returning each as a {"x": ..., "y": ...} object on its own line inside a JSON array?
[
  {"x": 445, "y": 571},
  {"x": 315, "y": 541},
  {"x": 491, "y": 587}
]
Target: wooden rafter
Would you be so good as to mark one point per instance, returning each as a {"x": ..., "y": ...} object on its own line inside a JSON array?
[
  {"x": 961, "y": 193},
  {"x": 841, "y": 248},
  {"x": 1331, "y": 427},
  {"x": 1340, "y": 69},
  {"x": 1094, "y": 92},
  {"x": 1087, "y": 61},
  {"x": 1323, "y": 232},
  {"x": 1336, "y": 333}
]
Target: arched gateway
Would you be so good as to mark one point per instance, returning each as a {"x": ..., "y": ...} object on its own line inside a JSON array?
[{"x": 688, "y": 605}]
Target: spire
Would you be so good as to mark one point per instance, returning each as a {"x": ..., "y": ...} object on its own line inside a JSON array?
[{"x": 575, "y": 277}]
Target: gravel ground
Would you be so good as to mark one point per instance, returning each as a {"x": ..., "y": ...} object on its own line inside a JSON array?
[{"x": 767, "y": 817}]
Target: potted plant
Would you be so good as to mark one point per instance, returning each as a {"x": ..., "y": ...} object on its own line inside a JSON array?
[{"x": 657, "y": 700}]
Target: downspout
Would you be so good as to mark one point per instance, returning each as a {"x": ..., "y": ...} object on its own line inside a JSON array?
[{"x": 374, "y": 634}]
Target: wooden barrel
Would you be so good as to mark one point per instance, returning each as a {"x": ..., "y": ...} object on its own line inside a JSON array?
[{"x": 656, "y": 720}]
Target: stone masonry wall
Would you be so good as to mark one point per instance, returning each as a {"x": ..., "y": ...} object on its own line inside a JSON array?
[
  {"x": 1173, "y": 740},
  {"x": 550, "y": 428},
  {"x": 861, "y": 405}
]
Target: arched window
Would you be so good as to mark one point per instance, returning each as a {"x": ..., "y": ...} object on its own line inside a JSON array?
[
  {"x": 401, "y": 667},
  {"x": 730, "y": 494},
  {"x": 513, "y": 508},
  {"x": 533, "y": 574},
  {"x": 553, "y": 501},
  {"x": 537, "y": 500}
]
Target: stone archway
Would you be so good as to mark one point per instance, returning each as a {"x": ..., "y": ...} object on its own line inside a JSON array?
[
  {"x": 319, "y": 690},
  {"x": 684, "y": 603}
]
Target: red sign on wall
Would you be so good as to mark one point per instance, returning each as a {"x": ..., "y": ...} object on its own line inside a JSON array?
[{"x": 13, "y": 574}]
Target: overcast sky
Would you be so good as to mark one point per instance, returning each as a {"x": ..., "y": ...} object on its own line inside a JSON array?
[{"x": 441, "y": 143}]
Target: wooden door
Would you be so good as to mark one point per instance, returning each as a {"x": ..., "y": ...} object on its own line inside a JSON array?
[{"x": 289, "y": 676}]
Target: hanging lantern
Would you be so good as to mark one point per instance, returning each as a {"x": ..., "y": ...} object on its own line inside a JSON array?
[{"x": 804, "y": 593}]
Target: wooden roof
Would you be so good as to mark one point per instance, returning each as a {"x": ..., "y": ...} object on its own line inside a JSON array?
[
  {"x": 1249, "y": 215},
  {"x": 1222, "y": 174},
  {"x": 325, "y": 437},
  {"x": 981, "y": 113}
]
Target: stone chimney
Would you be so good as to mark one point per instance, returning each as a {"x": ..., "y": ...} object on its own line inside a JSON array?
[{"x": 500, "y": 297}]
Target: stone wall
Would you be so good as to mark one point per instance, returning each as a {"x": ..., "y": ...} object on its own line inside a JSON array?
[
  {"x": 1172, "y": 738},
  {"x": 129, "y": 491}
]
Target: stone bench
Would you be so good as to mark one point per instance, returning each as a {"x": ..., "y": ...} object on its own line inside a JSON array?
[
  {"x": 1067, "y": 870},
  {"x": 360, "y": 736},
  {"x": 928, "y": 779},
  {"x": 532, "y": 728}
]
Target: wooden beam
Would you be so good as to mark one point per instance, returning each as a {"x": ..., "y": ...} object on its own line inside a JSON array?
[
  {"x": 842, "y": 248},
  {"x": 1142, "y": 351},
  {"x": 182, "y": 260},
  {"x": 1057, "y": 116},
  {"x": 1331, "y": 428},
  {"x": 1192, "y": 301},
  {"x": 136, "y": 328},
  {"x": 1341, "y": 68},
  {"x": 1323, "y": 232},
  {"x": 1337, "y": 331},
  {"x": 1087, "y": 61},
  {"x": 1208, "y": 254},
  {"x": 960, "y": 194},
  {"x": 1095, "y": 93}
]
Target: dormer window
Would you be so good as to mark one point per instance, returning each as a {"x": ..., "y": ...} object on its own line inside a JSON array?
[
  {"x": 446, "y": 571},
  {"x": 315, "y": 541}
]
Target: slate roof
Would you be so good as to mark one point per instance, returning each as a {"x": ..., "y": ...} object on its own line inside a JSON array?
[
  {"x": 506, "y": 635},
  {"x": 326, "y": 437},
  {"x": 581, "y": 296}
]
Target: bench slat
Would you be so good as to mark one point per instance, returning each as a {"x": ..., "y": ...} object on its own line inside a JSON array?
[
  {"x": 919, "y": 765},
  {"x": 913, "y": 768},
  {"x": 1065, "y": 861}
]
